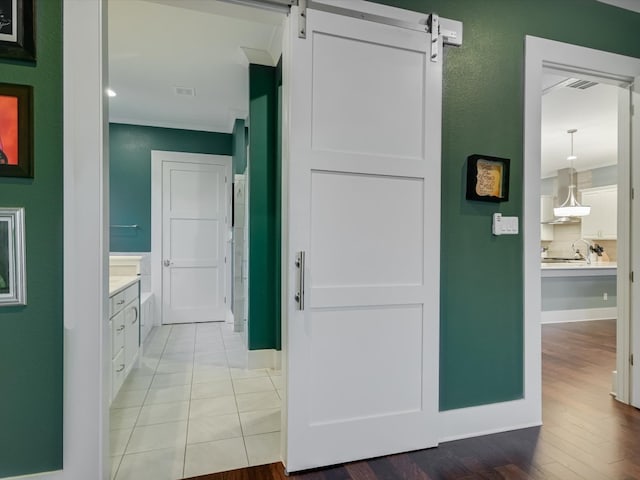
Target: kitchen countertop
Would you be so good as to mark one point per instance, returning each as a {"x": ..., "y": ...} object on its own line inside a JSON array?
[
  {"x": 572, "y": 269},
  {"x": 117, "y": 283}
]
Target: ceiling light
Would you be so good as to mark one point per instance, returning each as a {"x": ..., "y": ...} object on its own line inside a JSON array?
[
  {"x": 571, "y": 207},
  {"x": 111, "y": 93}
]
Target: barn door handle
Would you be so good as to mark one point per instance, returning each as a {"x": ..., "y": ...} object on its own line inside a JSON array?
[{"x": 300, "y": 293}]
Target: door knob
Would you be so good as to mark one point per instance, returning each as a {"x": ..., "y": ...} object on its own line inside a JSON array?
[{"x": 167, "y": 263}]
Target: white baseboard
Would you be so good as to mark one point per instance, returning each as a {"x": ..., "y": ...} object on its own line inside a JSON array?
[
  {"x": 488, "y": 419},
  {"x": 580, "y": 315},
  {"x": 267, "y": 358},
  {"x": 57, "y": 475}
]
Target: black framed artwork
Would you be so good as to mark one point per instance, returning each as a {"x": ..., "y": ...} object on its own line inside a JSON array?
[
  {"x": 17, "y": 30},
  {"x": 487, "y": 178}
]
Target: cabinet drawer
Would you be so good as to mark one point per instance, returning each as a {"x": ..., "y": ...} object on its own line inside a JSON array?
[
  {"x": 117, "y": 334},
  {"x": 116, "y": 303},
  {"x": 130, "y": 293},
  {"x": 117, "y": 373}
]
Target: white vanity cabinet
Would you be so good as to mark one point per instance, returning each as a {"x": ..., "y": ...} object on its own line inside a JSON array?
[
  {"x": 124, "y": 316},
  {"x": 602, "y": 222}
]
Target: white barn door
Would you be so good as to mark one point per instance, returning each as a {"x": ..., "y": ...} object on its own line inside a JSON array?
[{"x": 363, "y": 162}]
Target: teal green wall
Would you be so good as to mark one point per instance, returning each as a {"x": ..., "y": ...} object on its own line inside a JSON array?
[
  {"x": 576, "y": 293},
  {"x": 264, "y": 245},
  {"x": 278, "y": 219},
  {"x": 481, "y": 297},
  {"x": 31, "y": 336},
  {"x": 239, "y": 146},
  {"x": 481, "y": 340},
  {"x": 130, "y": 175}
]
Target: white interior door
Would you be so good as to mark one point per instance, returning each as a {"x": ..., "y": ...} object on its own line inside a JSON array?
[
  {"x": 635, "y": 245},
  {"x": 361, "y": 358},
  {"x": 194, "y": 234}
]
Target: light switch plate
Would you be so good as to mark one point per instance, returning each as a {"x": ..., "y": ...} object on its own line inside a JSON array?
[{"x": 504, "y": 225}]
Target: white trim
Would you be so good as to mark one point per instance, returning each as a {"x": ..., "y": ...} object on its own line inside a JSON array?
[
  {"x": 624, "y": 258},
  {"x": 579, "y": 315},
  {"x": 157, "y": 158},
  {"x": 86, "y": 244},
  {"x": 284, "y": 235},
  {"x": 56, "y": 475},
  {"x": 487, "y": 419},
  {"x": 267, "y": 358},
  {"x": 197, "y": 127},
  {"x": 538, "y": 53}
]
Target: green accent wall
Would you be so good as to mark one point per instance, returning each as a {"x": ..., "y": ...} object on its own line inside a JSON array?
[
  {"x": 278, "y": 219},
  {"x": 264, "y": 245},
  {"x": 130, "y": 175},
  {"x": 239, "y": 146},
  {"x": 481, "y": 339},
  {"x": 31, "y": 336}
]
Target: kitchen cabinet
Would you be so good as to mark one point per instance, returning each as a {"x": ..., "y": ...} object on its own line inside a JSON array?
[
  {"x": 124, "y": 324},
  {"x": 602, "y": 222},
  {"x": 546, "y": 215}
]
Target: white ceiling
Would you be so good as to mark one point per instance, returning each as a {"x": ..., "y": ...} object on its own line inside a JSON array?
[
  {"x": 633, "y": 5},
  {"x": 593, "y": 112},
  {"x": 157, "y": 45}
]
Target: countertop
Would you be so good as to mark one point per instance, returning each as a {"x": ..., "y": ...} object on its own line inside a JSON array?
[
  {"x": 578, "y": 269},
  {"x": 117, "y": 283}
]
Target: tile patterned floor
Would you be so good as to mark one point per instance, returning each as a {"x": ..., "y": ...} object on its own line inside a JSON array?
[{"x": 191, "y": 407}]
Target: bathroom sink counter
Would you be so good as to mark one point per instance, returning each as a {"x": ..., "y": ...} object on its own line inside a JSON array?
[
  {"x": 572, "y": 269},
  {"x": 117, "y": 283}
]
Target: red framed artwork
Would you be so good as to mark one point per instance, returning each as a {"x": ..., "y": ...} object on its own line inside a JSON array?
[{"x": 16, "y": 130}]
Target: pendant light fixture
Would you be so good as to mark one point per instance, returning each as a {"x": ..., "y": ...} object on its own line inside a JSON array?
[{"x": 571, "y": 207}]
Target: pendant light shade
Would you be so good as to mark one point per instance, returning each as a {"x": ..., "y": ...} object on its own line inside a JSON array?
[{"x": 571, "y": 207}]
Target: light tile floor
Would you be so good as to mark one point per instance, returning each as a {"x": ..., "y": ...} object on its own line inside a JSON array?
[{"x": 191, "y": 407}]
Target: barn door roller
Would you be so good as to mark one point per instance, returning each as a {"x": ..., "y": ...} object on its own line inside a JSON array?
[{"x": 433, "y": 24}]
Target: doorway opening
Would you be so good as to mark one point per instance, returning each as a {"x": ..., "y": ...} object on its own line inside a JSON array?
[
  {"x": 584, "y": 66},
  {"x": 580, "y": 121},
  {"x": 192, "y": 403}
]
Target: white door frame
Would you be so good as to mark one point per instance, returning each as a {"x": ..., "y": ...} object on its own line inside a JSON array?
[
  {"x": 540, "y": 53},
  {"x": 157, "y": 159},
  {"x": 86, "y": 244}
]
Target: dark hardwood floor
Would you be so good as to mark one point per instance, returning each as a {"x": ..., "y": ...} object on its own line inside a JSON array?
[{"x": 587, "y": 435}]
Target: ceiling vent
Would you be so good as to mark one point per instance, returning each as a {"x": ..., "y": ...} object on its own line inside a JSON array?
[
  {"x": 575, "y": 83},
  {"x": 580, "y": 84},
  {"x": 185, "y": 91}
]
